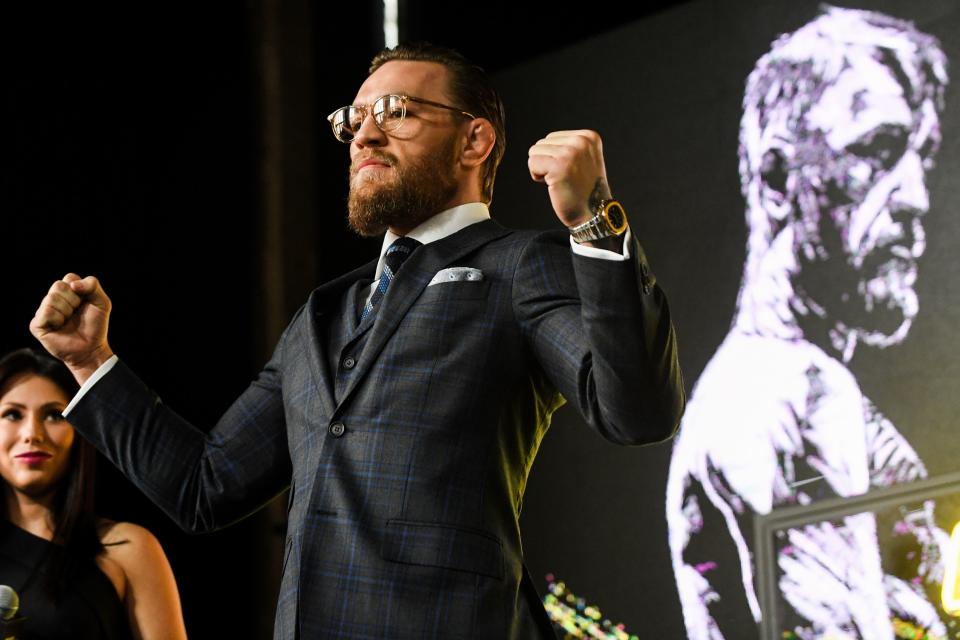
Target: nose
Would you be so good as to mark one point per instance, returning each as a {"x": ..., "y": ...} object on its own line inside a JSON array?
[
  {"x": 911, "y": 190},
  {"x": 33, "y": 429},
  {"x": 369, "y": 134}
]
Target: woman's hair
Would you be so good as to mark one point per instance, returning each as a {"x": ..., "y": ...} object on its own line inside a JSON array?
[{"x": 75, "y": 525}]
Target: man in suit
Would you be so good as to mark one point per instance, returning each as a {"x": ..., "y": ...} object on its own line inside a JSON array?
[{"x": 404, "y": 405}]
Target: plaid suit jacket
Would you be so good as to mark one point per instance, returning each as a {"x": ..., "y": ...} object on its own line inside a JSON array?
[{"x": 407, "y": 456}]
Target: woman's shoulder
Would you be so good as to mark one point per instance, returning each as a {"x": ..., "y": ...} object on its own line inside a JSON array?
[
  {"x": 149, "y": 588},
  {"x": 115, "y": 535},
  {"x": 130, "y": 544},
  {"x": 129, "y": 550}
]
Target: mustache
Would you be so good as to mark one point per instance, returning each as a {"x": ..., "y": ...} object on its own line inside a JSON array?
[
  {"x": 890, "y": 257},
  {"x": 380, "y": 156},
  {"x": 902, "y": 250}
]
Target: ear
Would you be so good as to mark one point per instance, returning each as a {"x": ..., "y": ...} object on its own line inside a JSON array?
[
  {"x": 478, "y": 141},
  {"x": 776, "y": 185},
  {"x": 773, "y": 171}
]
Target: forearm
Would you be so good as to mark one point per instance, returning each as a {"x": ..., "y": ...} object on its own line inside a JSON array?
[
  {"x": 634, "y": 371},
  {"x": 601, "y": 331},
  {"x": 202, "y": 481}
]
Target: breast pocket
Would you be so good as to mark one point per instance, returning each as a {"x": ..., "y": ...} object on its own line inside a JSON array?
[{"x": 455, "y": 291}]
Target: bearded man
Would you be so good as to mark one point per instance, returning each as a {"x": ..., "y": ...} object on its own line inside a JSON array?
[{"x": 405, "y": 402}]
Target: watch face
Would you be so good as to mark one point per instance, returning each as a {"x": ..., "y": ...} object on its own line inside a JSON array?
[{"x": 616, "y": 217}]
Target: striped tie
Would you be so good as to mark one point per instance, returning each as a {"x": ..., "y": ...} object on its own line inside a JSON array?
[{"x": 396, "y": 254}]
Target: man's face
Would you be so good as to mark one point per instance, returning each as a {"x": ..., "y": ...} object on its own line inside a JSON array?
[
  {"x": 862, "y": 195},
  {"x": 401, "y": 178}
]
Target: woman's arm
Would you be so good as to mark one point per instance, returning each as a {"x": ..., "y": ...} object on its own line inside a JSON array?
[{"x": 149, "y": 589}]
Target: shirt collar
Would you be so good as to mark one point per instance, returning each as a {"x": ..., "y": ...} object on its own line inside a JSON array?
[{"x": 438, "y": 227}]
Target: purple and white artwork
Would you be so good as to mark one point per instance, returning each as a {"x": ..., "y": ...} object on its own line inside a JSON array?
[{"x": 840, "y": 127}]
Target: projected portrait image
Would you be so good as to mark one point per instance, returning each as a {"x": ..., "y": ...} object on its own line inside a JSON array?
[{"x": 840, "y": 126}]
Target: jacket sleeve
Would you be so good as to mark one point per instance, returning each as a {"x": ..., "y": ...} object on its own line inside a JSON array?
[
  {"x": 601, "y": 331},
  {"x": 203, "y": 481}
]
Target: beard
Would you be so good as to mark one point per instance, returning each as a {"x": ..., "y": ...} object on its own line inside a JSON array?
[
  {"x": 873, "y": 297},
  {"x": 408, "y": 197},
  {"x": 889, "y": 299}
]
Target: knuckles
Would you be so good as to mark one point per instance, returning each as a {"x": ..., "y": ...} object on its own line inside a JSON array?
[{"x": 59, "y": 287}]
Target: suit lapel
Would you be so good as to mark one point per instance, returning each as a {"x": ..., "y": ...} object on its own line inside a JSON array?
[
  {"x": 323, "y": 301},
  {"x": 412, "y": 279}
]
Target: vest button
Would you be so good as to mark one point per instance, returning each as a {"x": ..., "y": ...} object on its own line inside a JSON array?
[
  {"x": 337, "y": 429},
  {"x": 349, "y": 362}
]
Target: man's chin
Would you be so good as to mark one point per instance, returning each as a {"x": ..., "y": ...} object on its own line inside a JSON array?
[
  {"x": 887, "y": 324},
  {"x": 885, "y": 338},
  {"x": 363, "y": 219},
  {"x": 368, "y": 185}
]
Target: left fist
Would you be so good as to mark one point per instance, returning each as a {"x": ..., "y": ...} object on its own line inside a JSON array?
[{"x": 571, "y": 165}]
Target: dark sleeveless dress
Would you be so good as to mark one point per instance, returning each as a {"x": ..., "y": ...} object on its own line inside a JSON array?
[{"x": 89, "y": 610}]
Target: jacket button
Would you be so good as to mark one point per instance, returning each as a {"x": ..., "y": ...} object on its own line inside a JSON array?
[
  {"x": 348, "y": 362},
  {"x": 337, "y": 429}
]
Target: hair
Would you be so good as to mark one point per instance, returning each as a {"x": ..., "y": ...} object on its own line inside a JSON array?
[
  {"x": 791, "y": 78},
  {"x": 75, "y": 525},
  {"x": 469, "y": 87}
]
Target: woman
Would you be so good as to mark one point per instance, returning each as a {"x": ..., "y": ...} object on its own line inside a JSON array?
[{"x": 78, "y": 576}]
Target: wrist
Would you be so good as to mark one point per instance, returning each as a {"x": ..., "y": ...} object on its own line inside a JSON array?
[
  {"x": 85, "y": 367},
  {"x": 608, "y": 220}
]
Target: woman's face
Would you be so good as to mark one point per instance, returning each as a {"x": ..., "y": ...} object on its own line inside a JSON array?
[{"x": 35, "y": 439}]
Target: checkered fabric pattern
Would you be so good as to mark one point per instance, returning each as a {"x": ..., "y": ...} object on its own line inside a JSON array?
[{"x": 406, "y": 442}]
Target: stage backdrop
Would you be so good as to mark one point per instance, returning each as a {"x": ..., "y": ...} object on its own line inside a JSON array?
[{"x": 829, "y": 336}]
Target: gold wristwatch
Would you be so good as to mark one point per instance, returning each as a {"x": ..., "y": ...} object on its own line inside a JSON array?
[{"x": 609, "y": 219}]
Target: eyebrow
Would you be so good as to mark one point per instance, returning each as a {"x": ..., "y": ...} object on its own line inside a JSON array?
[
  {"x": 889, "y": 59},
  {"x": 16, "y": 405},
  {"x": 868, "y": 137},
  {"x": 375, "y": 98}
]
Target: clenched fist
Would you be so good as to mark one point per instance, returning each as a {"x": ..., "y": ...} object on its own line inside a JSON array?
[
  {"x": 571, "y": 164},
  {"x": 71, "y": 323}
]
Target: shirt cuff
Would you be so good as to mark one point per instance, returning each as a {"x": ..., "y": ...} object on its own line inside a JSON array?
[
  {"x": 101, "y": 371},
  {"x": 603, "y": 254}
]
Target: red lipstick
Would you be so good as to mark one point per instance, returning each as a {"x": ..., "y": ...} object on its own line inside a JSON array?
[{"x": 33, "y": 457}]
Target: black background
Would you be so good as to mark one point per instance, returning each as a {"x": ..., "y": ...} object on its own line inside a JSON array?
[
  {"x": 131, "y": 143},
  {"x": 131, "y": 147}
]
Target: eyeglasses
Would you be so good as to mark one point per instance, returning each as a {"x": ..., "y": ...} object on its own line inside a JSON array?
[{"x": 388, "y": 114}]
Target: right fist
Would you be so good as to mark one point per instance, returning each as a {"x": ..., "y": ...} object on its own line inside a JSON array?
[{"x": 71, "y": 323}]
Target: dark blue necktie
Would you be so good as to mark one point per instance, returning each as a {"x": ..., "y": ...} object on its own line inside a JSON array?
[{"x": 395, "y": 256}]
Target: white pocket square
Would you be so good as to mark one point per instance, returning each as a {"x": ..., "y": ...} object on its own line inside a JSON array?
[{"x": 457, "y": 274}]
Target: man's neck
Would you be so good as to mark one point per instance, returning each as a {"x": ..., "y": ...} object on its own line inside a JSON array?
[
  {"x": 443, "y": 223},
  {"x": 779, "y": 312}
]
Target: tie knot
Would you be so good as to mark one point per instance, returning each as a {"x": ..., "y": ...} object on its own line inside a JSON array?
[{"x": 398, "y": 252}]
